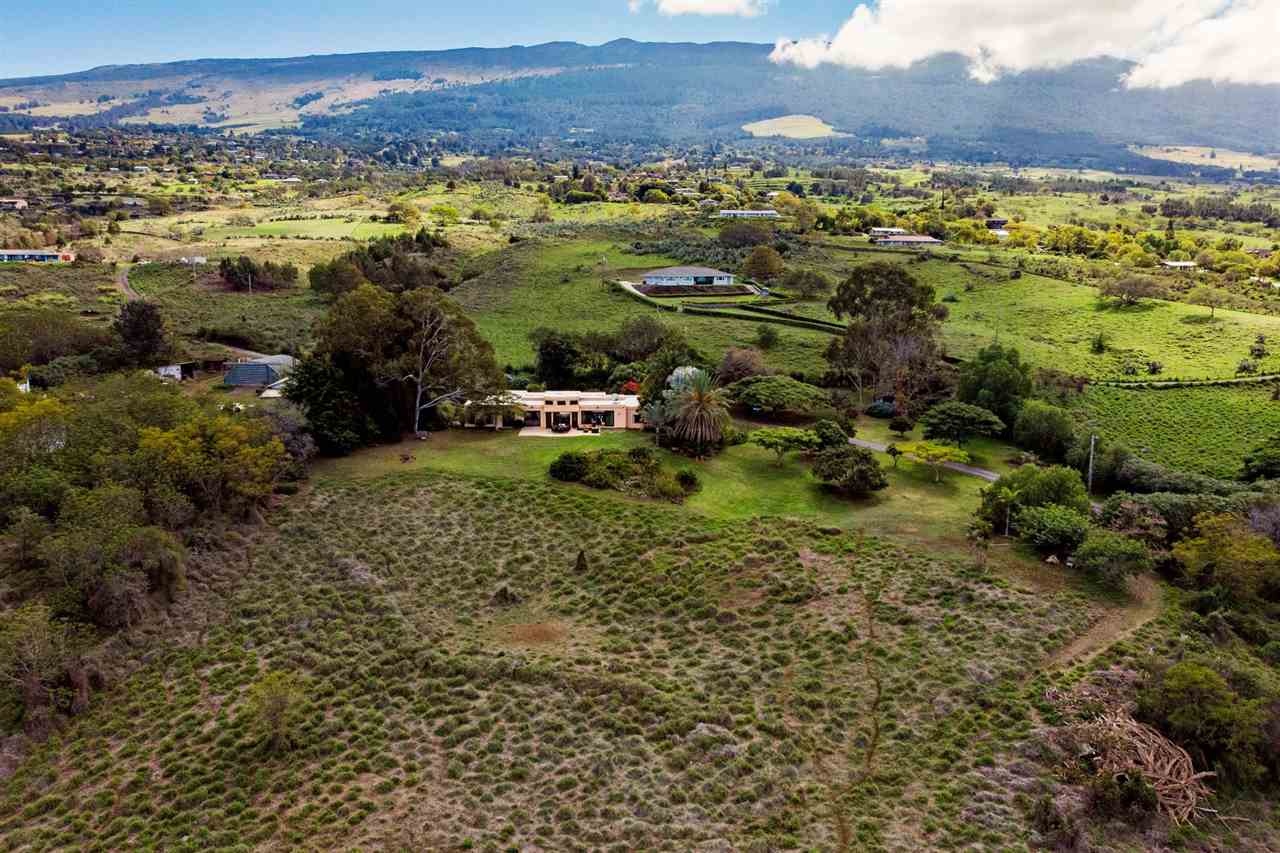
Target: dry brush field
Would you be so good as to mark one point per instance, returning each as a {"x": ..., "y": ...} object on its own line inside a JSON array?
[{"x": 701, "y": 685}]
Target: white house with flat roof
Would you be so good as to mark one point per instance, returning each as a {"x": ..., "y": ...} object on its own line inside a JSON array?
[
  {"x": 687, "y": 276},
  {"x": 573, "y": 410},
  {"x": 888, "y": 232}
]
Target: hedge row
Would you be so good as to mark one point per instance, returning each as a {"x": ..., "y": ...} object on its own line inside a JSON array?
[{"x": 779, "y": 321}]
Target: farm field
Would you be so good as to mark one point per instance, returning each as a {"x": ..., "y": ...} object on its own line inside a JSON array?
[
  {"x": 561, "y": 285},
  {"x": 703, "y": 682},
  {"x": 1054, "y": 323},
  {"x": 1206, "y": 430},
  {"x": 792, "y": 127},
  {"x": 1200, "y": 155}
]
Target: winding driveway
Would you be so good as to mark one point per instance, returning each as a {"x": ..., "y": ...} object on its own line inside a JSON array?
[{"x": 981, "y": 473}]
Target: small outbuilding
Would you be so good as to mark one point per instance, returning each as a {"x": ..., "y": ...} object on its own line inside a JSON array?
[{"x": 260, "y": 372}]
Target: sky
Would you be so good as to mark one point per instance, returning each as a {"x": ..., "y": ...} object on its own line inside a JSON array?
[{"x": 1171, "y": 41}]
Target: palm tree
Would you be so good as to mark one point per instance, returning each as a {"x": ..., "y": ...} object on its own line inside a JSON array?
[
  {"x": 657, "y": 415},
  {"x": 702, "y": 411}
]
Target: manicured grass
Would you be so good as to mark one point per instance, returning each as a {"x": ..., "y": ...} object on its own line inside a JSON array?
[
  {"x": 561, "y": 285},
  {"x": 1205, "y": 430}
]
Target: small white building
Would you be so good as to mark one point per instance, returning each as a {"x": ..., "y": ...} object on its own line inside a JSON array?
[
  {"x": 1179, "y": 265},
  {"x": 687, "y": 277},
  {"x": 888, "y": 232},
  {"x": 750, "y": 214},
  {"x": 13, "y": 204}
]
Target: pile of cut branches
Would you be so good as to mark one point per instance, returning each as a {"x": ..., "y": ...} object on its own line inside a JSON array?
[{"x": 1126, "y": 746}]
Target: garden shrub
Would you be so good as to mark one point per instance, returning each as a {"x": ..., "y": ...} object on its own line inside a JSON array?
[
  {"x": 1033, "y": 487},
  {"x": 1052, "y": 527},
  {"x": 882, "y": 409},
  {"x": 569, "y": 467},
  {"x": 688, "y": 480},
  {"x": 830, "y": 434},
  {"x": 851, "y": 470}
]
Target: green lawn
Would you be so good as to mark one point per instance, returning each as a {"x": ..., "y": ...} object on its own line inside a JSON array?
[
  {"x": 741, "y": 483},
  {"x": 1205, "y": 430},
  {"x": 561, "y": 285}
]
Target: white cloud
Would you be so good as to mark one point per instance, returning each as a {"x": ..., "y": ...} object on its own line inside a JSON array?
[
  {"x": 743, "y": 8},
  {"x": 1172, "y": 41}
]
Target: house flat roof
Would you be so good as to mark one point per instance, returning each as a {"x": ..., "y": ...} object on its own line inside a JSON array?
[
  {"x": 698, "y": 271},
  {"x": 584, "y": 398}
]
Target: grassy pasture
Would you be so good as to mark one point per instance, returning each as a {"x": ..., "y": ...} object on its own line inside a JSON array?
[
  {"x": 1205, "y": 430},
  {"x": 705, "y": 681},
  {"x": 1201, "y": 156},
  {"x": 560, "y": 285},
  {"x": 270, "y": 322},
  {"x": 1053, "y": 324},
  {"x": 792, "y": 127},
  {"x": 87, "y": 289}
]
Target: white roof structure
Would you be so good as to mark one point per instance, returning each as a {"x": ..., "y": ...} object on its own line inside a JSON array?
[{"x": 583, "y": 398}]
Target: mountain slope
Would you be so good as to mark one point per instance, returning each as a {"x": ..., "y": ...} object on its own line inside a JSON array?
[{"x": 647, "y": 91}]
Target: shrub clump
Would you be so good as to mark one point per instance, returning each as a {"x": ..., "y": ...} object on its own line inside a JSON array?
[
  {"x": 635, "y": 471},
  {"x": 1052, "y": 528}
]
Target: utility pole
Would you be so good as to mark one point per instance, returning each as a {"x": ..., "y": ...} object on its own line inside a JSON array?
[{"x": 1093, "y": 443}]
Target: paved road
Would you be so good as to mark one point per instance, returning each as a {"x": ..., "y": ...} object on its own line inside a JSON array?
[{"x": 981, "y": 473}]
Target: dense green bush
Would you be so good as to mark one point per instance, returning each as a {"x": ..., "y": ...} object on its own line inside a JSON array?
[
  {"x": 830, "y": 434},
  {"x": 1045, "y": 430},
  {"x": 853, "y": 471},
  {"x": 569, "y": 467},
  {"x": 688, "y": 480},
  {"x": 1052, "y": 528},
  {"x": 1221, "y": 728},
  {"x": 1141, "y": 476},
  {"x": 1112, "y": 557},
  {"x": 1030, "y": 486}
]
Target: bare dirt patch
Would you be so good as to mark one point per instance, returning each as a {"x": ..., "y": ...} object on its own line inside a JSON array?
[{"x": 534, "y": 633}]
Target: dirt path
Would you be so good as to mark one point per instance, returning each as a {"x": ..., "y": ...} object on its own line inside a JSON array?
[
  {"x": 122, "y": 282},
  {"x": 1116, "y": 625}
]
